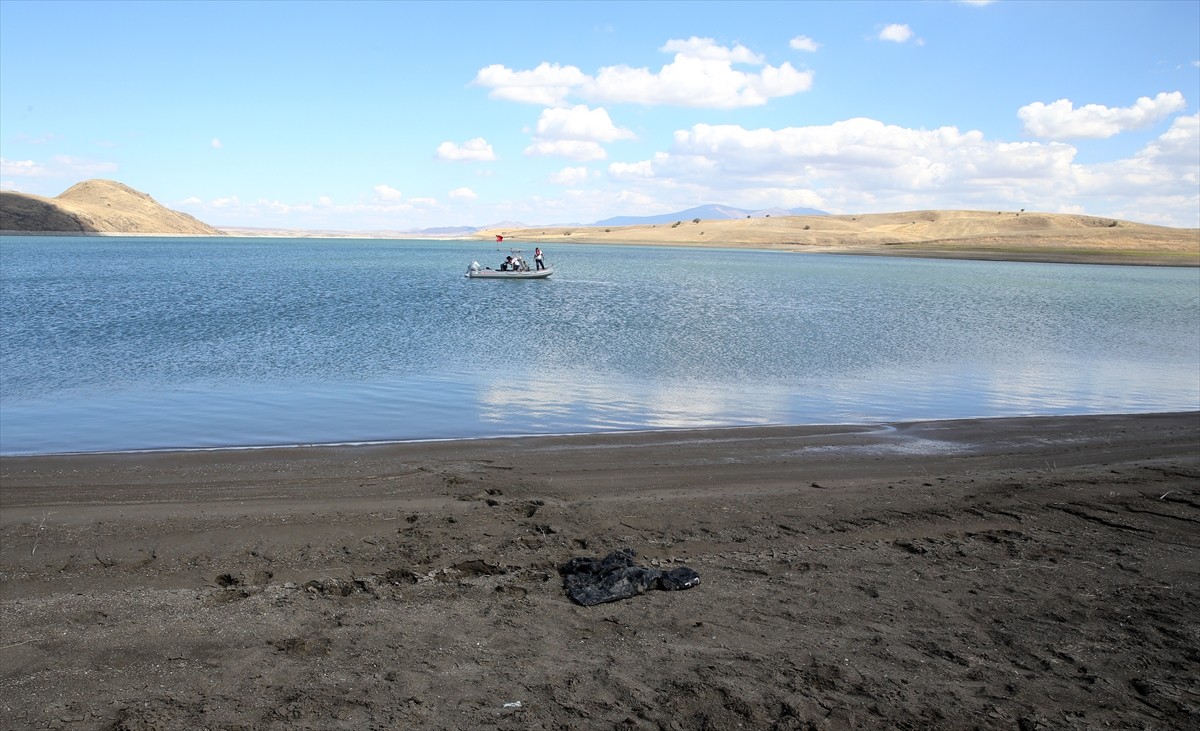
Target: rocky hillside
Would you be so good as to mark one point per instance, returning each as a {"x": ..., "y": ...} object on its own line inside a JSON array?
[{"x": 96, "y": 206}]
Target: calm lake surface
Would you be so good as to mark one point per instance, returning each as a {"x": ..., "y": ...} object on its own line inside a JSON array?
[{"x": 147, "y": 343}]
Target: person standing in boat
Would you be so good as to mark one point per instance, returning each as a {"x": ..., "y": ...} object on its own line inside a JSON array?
[{"x": 538, "y": 260}]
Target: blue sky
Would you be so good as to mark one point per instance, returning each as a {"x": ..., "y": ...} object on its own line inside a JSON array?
[{"x": 406, "y": 115}]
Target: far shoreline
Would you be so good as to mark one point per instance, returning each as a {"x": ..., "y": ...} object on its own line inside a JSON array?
[{"x": 944, "y": 251}]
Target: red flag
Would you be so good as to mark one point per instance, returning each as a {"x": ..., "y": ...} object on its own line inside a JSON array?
[{"x": 499, "y": 237}]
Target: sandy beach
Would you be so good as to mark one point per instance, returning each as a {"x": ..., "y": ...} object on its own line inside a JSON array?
[{"x": 1013, "y": 573}]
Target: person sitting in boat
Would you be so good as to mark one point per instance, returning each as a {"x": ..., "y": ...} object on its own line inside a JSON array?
[{"x": 507, "y": 264}]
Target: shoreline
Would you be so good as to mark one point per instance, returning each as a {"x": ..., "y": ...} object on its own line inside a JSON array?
[
  {"x": 1034, "y": 571},
  {"x": 698, "y": 432},
  {"x": 945, "y": 250},
  {"x": 31, "y": 472},
  {"x": 936, "y": 234},
  {"x": 959, "y": 234},
  {"x": 1038, "y": 256}
]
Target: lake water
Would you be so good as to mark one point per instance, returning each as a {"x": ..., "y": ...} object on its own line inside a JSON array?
[{"x": 146, "y": 343}]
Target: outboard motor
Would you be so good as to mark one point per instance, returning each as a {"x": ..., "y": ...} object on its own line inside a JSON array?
[{"x": 474, "y": 267}]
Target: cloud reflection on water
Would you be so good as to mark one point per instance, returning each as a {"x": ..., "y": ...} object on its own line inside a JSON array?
[{"x": 597, "y": 402}]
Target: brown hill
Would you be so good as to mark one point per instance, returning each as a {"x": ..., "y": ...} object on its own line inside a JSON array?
[
  {"x": 1012, "y": 235},
  {"x": 96, "y": 206}
]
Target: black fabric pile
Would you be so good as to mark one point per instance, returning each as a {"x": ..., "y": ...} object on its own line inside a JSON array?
[{"x": 591, "y": 581}]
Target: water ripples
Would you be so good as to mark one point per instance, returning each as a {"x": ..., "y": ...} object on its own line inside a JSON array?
[{"x": 137, "y": 343}]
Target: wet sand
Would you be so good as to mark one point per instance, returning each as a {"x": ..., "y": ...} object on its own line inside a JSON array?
[{"x": 1013, "y": 573}]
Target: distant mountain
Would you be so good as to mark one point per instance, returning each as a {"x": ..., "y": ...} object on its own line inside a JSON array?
[
  {"x": 709, "y": 212},
  {"x": 505, "y": 224},
  {"x": 96, "y": 206},
  {"x": 106, "y": 206},
  {"x": 446, "y": 231}
]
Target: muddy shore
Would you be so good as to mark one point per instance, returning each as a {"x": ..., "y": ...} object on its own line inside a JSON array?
[{"x": 1011, "y": 573}]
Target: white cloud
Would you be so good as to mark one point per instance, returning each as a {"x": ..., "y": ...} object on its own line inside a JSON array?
[
  {"x": 896, "y": 32},
  {"x": 852, "y": 166},
  {"x": 1179, "y": 145},
  {"x": 702, "y": 74},
  {"x": 387, "y": 193},
  {"x": 382, "y": 209},
  {"x": 695, "y": 79},
  {"x": 910, "y": 157},
  {"x": 708, "y": 50},
  {"x": 633, "y": 170},
  {"x": 1060, "y": 120},
  {"x": 216, "y": 143},
  {"x": 570, "y": 176},
  {"x": 23, "y": 168},
  {"x": 1166, "y": 167},
  {"x": 548, "y": 84},
  {"x": 804, "y": 43},
  {"x": 276, "y": 207},
  {"x": 575, "y": 133},
  {"x": 581, "y": 150},
  {"x": 476, "y": 150},
  {"x": 864, "y": 165},
  {"x": 580, "y": 123},
  {"x": 59, "y": 166}
]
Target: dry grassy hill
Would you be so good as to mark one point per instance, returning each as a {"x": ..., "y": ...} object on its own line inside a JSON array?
[
  {"x": 96, "y": 206},
  {"x": 961, "y": 234},
  {"x": 106, "y": 206}
]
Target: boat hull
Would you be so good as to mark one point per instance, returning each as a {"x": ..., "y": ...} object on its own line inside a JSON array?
[{"x": 496, "y": 274}]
